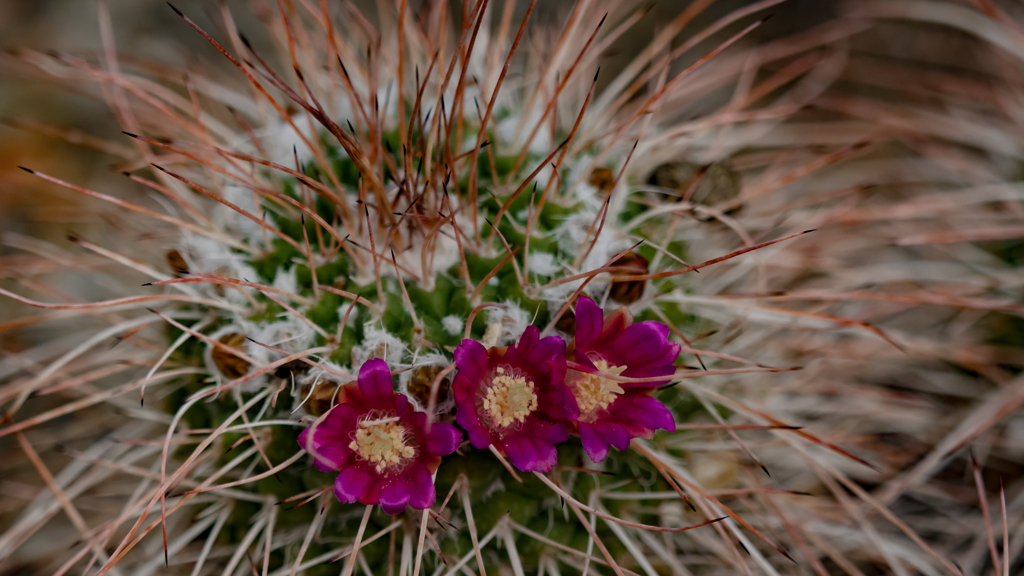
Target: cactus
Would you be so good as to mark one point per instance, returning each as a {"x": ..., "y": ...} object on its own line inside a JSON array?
[{"x": 425, "y": 300}]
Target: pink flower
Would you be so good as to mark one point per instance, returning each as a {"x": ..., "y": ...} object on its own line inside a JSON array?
[
  {"x": 379, "y": 444},
  {"x": 515, "y": 398},
  {"x": 613, "y": 412}
]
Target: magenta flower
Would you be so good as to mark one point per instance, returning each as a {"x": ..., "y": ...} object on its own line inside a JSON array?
[
  {"x": 613, "y": 412},
  {"x": 515, "y": 398},
  {"x": 379, "y": 444}
]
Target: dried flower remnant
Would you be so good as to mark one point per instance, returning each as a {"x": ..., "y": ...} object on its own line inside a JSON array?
[
  {"x": 675, "y": 175},
  {"x": 379, "y": 444},
  {"x": 719, "y": 184},
  {"x": 613, "y": 412},
  {"x": 602, "y": 178},
  {"x": 710, "y": 185},
  {"x": 293, "y": 368},
  {"x": 230, "y": 366},
  {"x": 629, "y": 291},
  {"x": 515, "y": 398},
  {"x": 319, "y": 397},
  {"x": 177, "y": 263},
  {"x": 422, "y": 379},
  {"x": 566, "y": 323}
]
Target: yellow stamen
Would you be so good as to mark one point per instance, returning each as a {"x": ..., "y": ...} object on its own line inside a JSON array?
[
  {"x": 510, "y": 398},
  {"x": 381, "y": 442},
  {"x": 595, "y": 392}
]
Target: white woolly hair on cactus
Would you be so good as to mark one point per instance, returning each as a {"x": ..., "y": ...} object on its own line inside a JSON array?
[{"x": 424, "y": 292}]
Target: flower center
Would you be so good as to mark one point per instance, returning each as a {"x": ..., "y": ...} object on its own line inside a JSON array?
[
  {"x": 593, "y": 391},
  {"x": 381, "y": 442},
  {"x": 510, "y": 398}
]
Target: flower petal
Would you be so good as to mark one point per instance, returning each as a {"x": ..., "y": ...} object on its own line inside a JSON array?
[
  {"x": 327, "y": 439},
  {"x": 522, "y": 453},
  {"x": 548, "y": 455},
  {"x": 544, "y": 350},
  {"x": 467, "y": 417},
  {"x": 471, "y": 359},
  {"x": 531, "y": 454},
  {"x": 422, "y": 494},
  {"x": 351, "y": 484},
  {"x": 306, "y": 443},
  {"x": 643, "y": 344},
  {"x": 341, "y": 417},
  {"x": 552, "y": 433},
  {"x": 557, "y": 402},
  {"x": 613, "y": 434},
  {"x": 401, "y": 404},
  {"x": 375, "y": 381},
  {"x": 595, "y": 446},
  {"x": 645, "y": 410},
  {"x": 395, "y": 496},
  {"x": 330, "y": 456},
  {"x": 463, "y": 387},
  {"x": 526, "y": 342},
  {"x": 589, "y": 319},
  {"x": 443, "y": 439}
]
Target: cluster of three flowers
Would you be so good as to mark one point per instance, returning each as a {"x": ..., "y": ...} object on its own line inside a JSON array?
[{"x": 521, "y": 399}]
